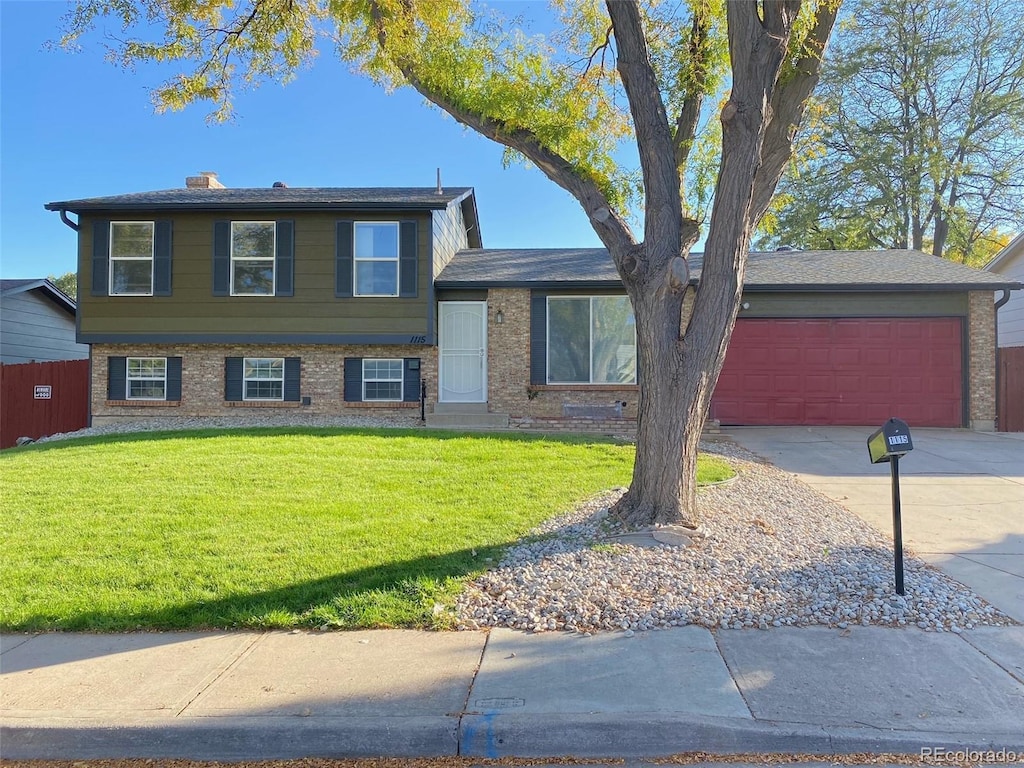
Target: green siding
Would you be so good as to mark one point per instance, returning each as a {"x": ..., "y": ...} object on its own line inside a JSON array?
[
  {"x": 873, "y": 304},
  {"x": 312, "y": 309}
]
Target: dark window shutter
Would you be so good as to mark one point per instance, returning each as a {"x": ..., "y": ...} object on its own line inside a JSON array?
[
  {"x": 232, "y": 379},
  {"x": 292, "y": 379},
  {"x": 343, "y": 260},
  {"x": 284, "y": 263},
  {"x": 411, "y": 383},
  {"x": 162, "y": 258},
  {"x": 353, "y": 379},
  {"x": 100, "y": 257},
  {"x": 538, "y": 339},
  {"x": 408, "y": 276},
  {"x": 221, "y": 258},
  {"x": 117, "y": 378},
  {"x": 173, "y": 392}
]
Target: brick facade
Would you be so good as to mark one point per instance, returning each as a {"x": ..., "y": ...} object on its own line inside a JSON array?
[
  {"x": 509, "y": 389},
  {"x": 541, "y": 406},
  {"x": 202, "y": 379},
  {"x": 981, "y": 341}
]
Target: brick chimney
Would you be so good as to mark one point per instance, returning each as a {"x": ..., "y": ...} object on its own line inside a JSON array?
[{"x": 205, "y": 180}]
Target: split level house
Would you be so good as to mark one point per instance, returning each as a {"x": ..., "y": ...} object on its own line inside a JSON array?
[{"x": 203, "y": 299}]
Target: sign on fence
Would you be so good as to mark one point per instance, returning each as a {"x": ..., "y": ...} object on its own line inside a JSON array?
[{"x": 42, "y": 392}]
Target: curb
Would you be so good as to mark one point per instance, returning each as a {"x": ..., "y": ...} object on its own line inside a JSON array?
[{"x": 494, "y": 735}]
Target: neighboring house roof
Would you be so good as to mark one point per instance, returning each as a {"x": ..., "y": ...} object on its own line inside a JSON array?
[
  {"x": 12, "y": 287},
  {"x": 1002, "y": 259},
  {"x": 893, "y": 270}
]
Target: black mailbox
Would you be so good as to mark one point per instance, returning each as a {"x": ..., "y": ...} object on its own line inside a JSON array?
[{"x": 891, "y": 439}]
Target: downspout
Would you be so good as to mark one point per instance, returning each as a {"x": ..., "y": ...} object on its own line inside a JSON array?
[
  {"x": 66, "y": 220},
  {"x": 1001, "y": 302}
]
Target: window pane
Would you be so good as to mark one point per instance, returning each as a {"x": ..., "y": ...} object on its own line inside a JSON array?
[
  {"x": 383, "y": 390},
  {"x": 153, "y": 390},
  {"x": 146, "y": 367},
  {"x": 614, "y": 340},
  {"x": 569, "y": 340},
  {"x": 377, "y": 278},
  {"x": 253, "y": 277},
  {"x": 131, "y": 240},
  {"x": 131, "y": 277},
  {"x": 252, "y": 240},
  {"x": 376, "y": 241},
  {"x": 264, "y": 368},
  {"x": 262, "y": 389}
]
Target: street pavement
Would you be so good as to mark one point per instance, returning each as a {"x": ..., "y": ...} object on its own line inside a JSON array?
[{"x": 403, "y": 693}]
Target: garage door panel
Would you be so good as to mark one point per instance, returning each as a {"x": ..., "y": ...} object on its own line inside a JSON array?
[{"x": 842, "y": 371}]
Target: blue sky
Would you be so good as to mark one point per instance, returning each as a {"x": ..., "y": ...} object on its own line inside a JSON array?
[{"x": 74, "y": 125}]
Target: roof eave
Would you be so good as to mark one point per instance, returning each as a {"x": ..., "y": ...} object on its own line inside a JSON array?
[
  {"x": 876, "y": 287},
  {"x": 277, "y": 206}
]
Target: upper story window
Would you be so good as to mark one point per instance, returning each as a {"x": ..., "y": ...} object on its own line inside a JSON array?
[
  {"x": 253, "y": 258},
  {"x": 253, "y": 253},
  {"x": 591, "y": 340},
  {"x": 376, "y": 258},
  {"x": 131, "y": 258}
]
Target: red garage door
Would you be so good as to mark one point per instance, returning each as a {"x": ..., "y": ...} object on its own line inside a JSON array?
[{"x": 842, "y": 371}]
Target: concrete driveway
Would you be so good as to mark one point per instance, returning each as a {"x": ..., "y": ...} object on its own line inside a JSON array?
[{"x": 962, "y": 495}]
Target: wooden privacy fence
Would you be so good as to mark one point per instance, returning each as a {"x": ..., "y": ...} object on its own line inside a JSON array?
[
  {"x": 1010, "y": 400},
  {"x": 39, "y": 399}
]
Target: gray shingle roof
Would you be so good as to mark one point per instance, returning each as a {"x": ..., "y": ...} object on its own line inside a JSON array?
[
  {"x": 788, "y": 270},
  {"x": 10, "y": 287},
  {"x": 336, "y": 198}
]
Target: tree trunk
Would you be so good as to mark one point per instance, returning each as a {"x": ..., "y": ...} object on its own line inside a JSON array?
[{"x": 670, "y": 421}]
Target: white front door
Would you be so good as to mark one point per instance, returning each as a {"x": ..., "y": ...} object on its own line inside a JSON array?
[{"x": 462, "y": 341}]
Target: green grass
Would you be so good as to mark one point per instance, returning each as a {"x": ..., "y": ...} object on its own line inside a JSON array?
[{"x": 275, "y": 527}]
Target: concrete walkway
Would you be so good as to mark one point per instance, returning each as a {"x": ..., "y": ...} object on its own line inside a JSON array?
[
  {"x": 962, "y": 495},
  {"x": 244, "y": 695}
]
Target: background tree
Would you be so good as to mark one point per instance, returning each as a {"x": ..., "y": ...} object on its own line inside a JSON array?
[
  {"x": 613, "y": 72},
  {"x": 916, "y": 137},
  {"x": 68, "y": 282}
]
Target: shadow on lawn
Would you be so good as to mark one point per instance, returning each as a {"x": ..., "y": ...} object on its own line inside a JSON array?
[{"x": 398, "y": 594}]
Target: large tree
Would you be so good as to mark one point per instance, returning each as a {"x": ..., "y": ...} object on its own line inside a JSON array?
[
  {"x": 624, "y": 70},
  {"x": 916, "y": 136}
]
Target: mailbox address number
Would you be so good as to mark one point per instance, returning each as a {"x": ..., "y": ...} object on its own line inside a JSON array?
[{"x": 898, "y": 440}]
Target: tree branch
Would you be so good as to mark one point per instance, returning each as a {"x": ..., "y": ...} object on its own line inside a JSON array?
[
  {"x": 689, "y": 113},
  {"x": 664, "y": 215},
  {"x": 610, "y": 226},
  {"x": 788, "y": 102}
]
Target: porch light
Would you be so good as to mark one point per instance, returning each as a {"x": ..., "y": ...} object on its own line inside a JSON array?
[{"x": 499, "y": 317}]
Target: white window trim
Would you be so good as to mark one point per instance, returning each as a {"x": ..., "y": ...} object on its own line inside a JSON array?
[
  {"x": 245, "y": 380},
  {"x": 397, "y": 260},
  {"x": 128, "y": 378},
  {"x": 111, "y": 258},
  {"x": 590, "y": 332},
  {"x": 272, "y": 259},
  {"x": 400, "y": 380}
]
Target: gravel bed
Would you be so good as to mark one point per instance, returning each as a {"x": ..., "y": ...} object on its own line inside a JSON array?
[{"x": 773, "y": 552}]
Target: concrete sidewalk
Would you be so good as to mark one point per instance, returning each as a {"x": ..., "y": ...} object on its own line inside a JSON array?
[{"x": 244, "y": 695}]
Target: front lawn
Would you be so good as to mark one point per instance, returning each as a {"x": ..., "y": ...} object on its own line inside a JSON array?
[{"x": 274, "y": 527}]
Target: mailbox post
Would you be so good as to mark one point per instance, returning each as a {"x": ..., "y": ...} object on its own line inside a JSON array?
[{"x": 887, "y": 444}]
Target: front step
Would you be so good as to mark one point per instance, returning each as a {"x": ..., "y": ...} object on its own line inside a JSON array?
[
  {"x": 472, "y": 420},
  {"x": 460, "y": 407}
]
